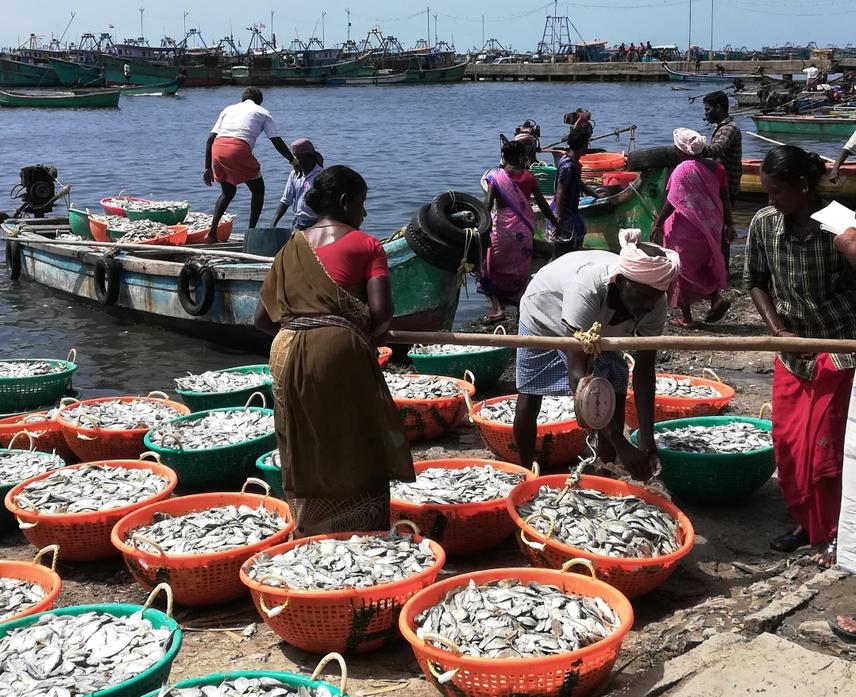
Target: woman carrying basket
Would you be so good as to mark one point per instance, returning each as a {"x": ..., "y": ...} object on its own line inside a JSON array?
[{"x": 327, "y": 299}]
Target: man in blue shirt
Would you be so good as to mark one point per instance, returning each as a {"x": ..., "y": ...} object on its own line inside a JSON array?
[{"x": 308, "y": 164}]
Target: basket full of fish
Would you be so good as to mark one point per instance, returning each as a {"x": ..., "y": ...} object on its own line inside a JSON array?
[
  {"x": 114, "y": 650},
  {"x": 27, "y": 384},
  {"x": 231, "y": 387},
  {"x": 167, "y": 212},
  {"x": 198, "y": 543},
  {"x": 634, "y": 538},
  {"x": 76, "y": 507},
  {"x": 559, "y": 438},
  {"x": 198, "y": 225},
  {"x": 214, "y": 448},
  {"x": 116, "y": 205},
  {"x": 113, "y": 428},
  {"x": 517, "y": 631},
  {"x": 429, "y": 405},
  {"x": 459, "y": 503},
  {"x": 715, "y": 458},
  {"x": 270, "y": 469},
  {"x": 145, "y": 231},
  {"x": 683, "y": 396},
  {"x": 42, "y": 427},
  {"x": 27, "y": 588},
  {"x": 486, "y": 363},
  {"x": 344, "y": 591},
  {"x": 16, "y": 465}
]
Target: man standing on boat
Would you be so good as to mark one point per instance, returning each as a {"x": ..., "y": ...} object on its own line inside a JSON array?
[
  {"x": 229, "y": 157},
  {"x": 126, "y": 71}
]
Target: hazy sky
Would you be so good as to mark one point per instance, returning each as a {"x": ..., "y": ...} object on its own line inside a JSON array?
[{"x": 518, "y": 23}]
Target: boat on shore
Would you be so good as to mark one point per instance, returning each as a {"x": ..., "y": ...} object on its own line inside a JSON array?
[
  {"x": 101, "y": 99},
  {"x": 19, "y": 74},
  {"x": 844, "y": 190},
  {"x": 833, "y": 125}
]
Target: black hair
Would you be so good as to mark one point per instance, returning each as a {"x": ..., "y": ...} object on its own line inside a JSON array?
[
  {"x": 790, "y": 163},
  {"x": 717, "y": 99},
  {"x": 330, "y": 185},
  {"x": 578, "y": 138},
  {"x": 513, "y": 152},
  {"x": 253, "y": 93}
]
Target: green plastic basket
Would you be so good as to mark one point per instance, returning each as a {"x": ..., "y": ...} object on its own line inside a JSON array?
[
  {"x": 545, "y": 175},
  {"x": 210, "y": 469},
  {"x": 167, "y": 216},
  {"x": 7, "y": 520},
  {"x": 78, "y": 221},
  {"x": 486, "y": 366},
  {"x": 290, "y": 679},
  {"x": 272, "y": 475},
  {"x": 28, "y": 394},
  {"x": 714, "y": 477},
  {"x": 204, "y": 401},
  {"x": 146, "y": 681}
]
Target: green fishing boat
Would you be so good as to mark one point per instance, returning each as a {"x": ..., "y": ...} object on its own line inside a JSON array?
[
  {"x": 61, "y": 100},
  {"x": 452, "y": 73},
  {"x": 72, "y": 74},
  {"x": 164, "y": 89},
  {"x": 833, "y": 126},
  {"x": 297, "y": 75},
  {"x": 18, "y": 74},
  {"x": 145, "y": 72}
]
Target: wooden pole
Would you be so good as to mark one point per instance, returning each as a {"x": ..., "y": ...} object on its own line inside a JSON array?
[{"x": 633, "y": 343}]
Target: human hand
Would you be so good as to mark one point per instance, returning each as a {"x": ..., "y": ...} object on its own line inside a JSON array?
[
  {"x": 730, "y": 232},
  {"x": 657, "y": 232},
  {"x": 640, "y": 463},
  {"x": 846, "y": 244},
  {"x": 208, "y": 176},
  {"x": 786, "y": 334},
  {"x": 833, "y": 176}
]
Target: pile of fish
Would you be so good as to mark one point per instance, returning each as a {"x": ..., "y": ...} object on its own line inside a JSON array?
[
  {"x": 145, "y": 205},
  {"x": 361, "y": 561},
  {"x": 442, "y": 485},
  {"x": 17, "y": 595},
  {"x": 114, "y": 222},
  {"x": 215, "y": 381},
  {"x": 119, "y": 415},
  {"x": 248, "y": 687},
  {"x": 734, "y": 437},
  {"x": 90, "y": 488},
  {"x": 214, "y": 430},
  {"x": 142, "y": 230},
  {"x": 28, "y": 369},
  {"x": 72, "y": 656},
  {"x": 447, "y": 349},
  {"x": 215, "y": 529},
  {"x": 509, "y": 619},
  {"x": 671, "y": 387},
  {"x": 38, "y": 417},
  {"x": 553, "y": 409},
  {"x": 196, "y": 222},
  {"x": 68, "y": 236},
  {"x": 615, "y": 526},
  {"x": 422, "y": 386},
  {"x": 18, "y": 465}
]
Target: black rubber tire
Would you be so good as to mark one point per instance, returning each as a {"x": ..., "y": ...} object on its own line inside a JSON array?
[
  {"x": 107, "y": 278},
  {"x": 653, "y": 158},
  {"x": 434, "y": 250},
  {"x": 442, "y": 227},
  {"x": 193, "y": 272},
  {"x": 13, "y": 259}
]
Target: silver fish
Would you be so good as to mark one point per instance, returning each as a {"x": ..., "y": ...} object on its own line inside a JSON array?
[
  {"x": 132, "y": 205},
  {"x": 358, "y": 562},
  {"x": 141, "y": 230},
  {"x": 72, "y": 656},
  {"x": 18, "y": 465},
  {"x": 734, "y": 437},
  {"x": 553, "y": 409},
  {"x": 421, "y": 386},
  {"x": 509, "y": 619},
  {"x": 121, "y": 415},
  {"x": 616, "y": 526},
  {"x": 28, "y": 369},
  {"x": 214, "y": 529},
  {"x": 114, "y": 222},
  {"x": 214, "y": 430},
  {"x": 17, "y": 595},
  {"x": 447, "y": 349},
  {"x": 214, "y": 381},
  {"x": 196, "y": 222},
  {"x": 672, "y": 387},
  {"x": 90, "y": 488},
  {"x": 443, "y": 485},
  {"x": 247, "y": 687}
]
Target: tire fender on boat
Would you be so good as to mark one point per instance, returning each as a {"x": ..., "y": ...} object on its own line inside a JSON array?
[
  {"x": 13, "y": 259},
  {"x": 451, "y": 202},
  {"x": 107, "y": 278},
  {"x": 434, "y": 250},
  {"x": 198, "y": 274}
]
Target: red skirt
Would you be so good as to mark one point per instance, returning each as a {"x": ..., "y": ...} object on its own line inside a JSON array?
[{"x": 233, "y": 161}]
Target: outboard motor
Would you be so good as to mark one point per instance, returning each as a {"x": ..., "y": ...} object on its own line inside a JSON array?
[{"x": 37, "y": 190}]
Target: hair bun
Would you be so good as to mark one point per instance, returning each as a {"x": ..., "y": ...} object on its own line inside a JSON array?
[{"x": 818, "y": 162}]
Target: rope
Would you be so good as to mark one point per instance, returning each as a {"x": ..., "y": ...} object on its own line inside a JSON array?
[
  {"x": 465, "y": 267},
  {"x": 397, "y": 235},
  {"x": 590, "y": 340}
]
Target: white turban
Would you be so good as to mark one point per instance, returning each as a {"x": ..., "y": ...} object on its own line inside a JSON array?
[
  {"x": 637, "y": 265},
  {"x": 689, "y": 141}
]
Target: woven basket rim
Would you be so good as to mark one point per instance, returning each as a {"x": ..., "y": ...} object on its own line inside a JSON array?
[{"x": 196, "y": 451}]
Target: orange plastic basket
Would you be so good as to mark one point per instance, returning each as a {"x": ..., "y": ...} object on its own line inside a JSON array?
[
  {"x": 633, "y": 577},
  {"x": 223, "y": 232},
  {"x": 352, "y": 620},
  {"x": 91, "y": 443},
  {"x": 668, "y": 408},
  {"x": 461, "y": 528},
  {"x": 47, "y": 434},
  {"x": 556, "y": 444},
  {"x": 429, "y": 418},
  {"x": 83, "y": 536},
  {"x": 197, "y": 579},
  {"x": 98, "y": 229},
  {"x": 383, "y": 355},
  {"x": 34, "y": 572},
  {"x": 574, "y": 673}
]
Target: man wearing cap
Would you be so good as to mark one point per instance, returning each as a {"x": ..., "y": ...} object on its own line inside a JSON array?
[
  {"x": 626, "y": 294},
  {"x": 308, "y": 164}
]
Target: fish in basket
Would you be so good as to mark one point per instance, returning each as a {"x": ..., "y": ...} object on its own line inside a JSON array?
[
  {"x": 27, "y": 588},
  {"x": 682, "y": 396},
  {"x": 429, "y": 405},
  {"x": 17, "y": 465}
]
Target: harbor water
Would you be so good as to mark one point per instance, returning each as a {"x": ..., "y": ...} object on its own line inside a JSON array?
[{"x": 409, "y": 142}]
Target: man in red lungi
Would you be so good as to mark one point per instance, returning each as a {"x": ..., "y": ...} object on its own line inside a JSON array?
[{"x": 229, "y": 157}]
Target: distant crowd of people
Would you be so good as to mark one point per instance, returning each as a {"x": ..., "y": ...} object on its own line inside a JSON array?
[{"x": 644, "y": 52}]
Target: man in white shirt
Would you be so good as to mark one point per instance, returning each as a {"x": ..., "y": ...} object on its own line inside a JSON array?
[
  {"x": 848, "y": 149},
  {"x": 126, "y": 71},
  {"x": 308, "y": 164},
  {"x": 626, "y": 294},
  {"x": 811, "y": 74},
  {"x": 229, "y": 157}
]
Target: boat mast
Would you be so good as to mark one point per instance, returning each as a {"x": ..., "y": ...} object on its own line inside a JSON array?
[
  {"x": 711, "y": 30},
  {"x": 142, "y": 33},
  {"x": 690, "y": 32}
]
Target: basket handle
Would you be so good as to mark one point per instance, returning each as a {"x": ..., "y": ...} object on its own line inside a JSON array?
[
  {"x": 67, "y": 401},
  {"x": 50, "y": 549},
  {"x": 406, "y": 523},
  {"x": 536, "y": 468},
  {"x": 252, "y": 396},
  {"x": 631, "y": 362},
  {"x": 22, "y": 433},
  {"x": 442, "y": 678},
  {"x": 272, "y": 611},
  {"x": 72, "y": 356},
  {"x": 26, "y": 505},
  {"x": 150, "y": 455},
  {"x": 343, "y": 683},
  {"x": 158, "y": 589},
  {"x": 470, "y": 377},
  {"x": 711, "y": 372},
  {"x": 470, "y": 406},
  {"x": 766, "y": 406},
  {"x": 539, "y": 546},
  {"x": 95, "y": 424},
  {"x": 147, "y": 540},
  {"x": 258, "y": 482},
  {"x": 579, "y": 561},
  {"x": 157, "y": 394},
  {"x": 498, "y": 328}
]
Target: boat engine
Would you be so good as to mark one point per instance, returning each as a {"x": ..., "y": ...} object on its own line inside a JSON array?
[{"x": 37, "y": 190}]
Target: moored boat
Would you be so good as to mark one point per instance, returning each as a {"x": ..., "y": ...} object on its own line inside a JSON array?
[
  {"x": 164, "y": 89},
  {"x": 73, "y": 74},
  {"x": 680, "y": 76},
  {"x": 843, "y": 190},
  {"x": 452, "y": 73},
  {"x": 144, "y": 72},
  {"x": 824, "y": 125},
  {"x": 19, "y": 74},
  {"x": 61, "y": 100},
  {"x": 374, "y": 77}
]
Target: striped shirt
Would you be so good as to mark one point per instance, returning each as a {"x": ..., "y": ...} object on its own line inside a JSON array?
[
  {"x": 726, "y": 145},
  {"x": 812, "y": 286}
]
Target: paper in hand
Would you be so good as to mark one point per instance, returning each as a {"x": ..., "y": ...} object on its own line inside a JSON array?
[{"x": 835, "y": 218}]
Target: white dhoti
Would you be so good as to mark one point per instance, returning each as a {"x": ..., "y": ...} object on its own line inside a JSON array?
[{"x": 847, "y": 521}]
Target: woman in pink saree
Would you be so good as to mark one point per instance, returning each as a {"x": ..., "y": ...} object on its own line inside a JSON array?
[
  {"x": 506, "y": 267},
  {"x": 693, "y": 219}
]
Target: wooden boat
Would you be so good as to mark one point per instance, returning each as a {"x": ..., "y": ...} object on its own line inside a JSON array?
[
  {"x": 297, "y": 75},
  {"x": 680, "y": 76},
  {"x": 844, "y": 190},
  {"x": 452, "y": 73},
  {"x": 19, "y": 74},
  {"x": 61, "y": 100},
  {"x": 374, "y": 77},
  {"x": 165, "y": 89},
  {"x": 825, "y": 125},
  {"x": 145, "y": 72},
  {"x": 425, "y": 297},
  {"x": 72, "y": 74}
]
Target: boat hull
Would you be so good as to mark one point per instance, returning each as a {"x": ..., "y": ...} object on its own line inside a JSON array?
[
  {"x": 806, "y": 125},
  {"x": 454, "y": 73},
  {"x": 18, "y": 74},
  {"x": 71, "y": 74},
  {"x": 149, "y": 73},
  {"x": 843, "y": 190},
  {"x": 367, "y": 80},
  {"x": 105, "y": 99}
]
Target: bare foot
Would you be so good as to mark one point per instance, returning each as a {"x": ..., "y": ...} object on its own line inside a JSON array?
[{"x": 827, "y": 557}]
